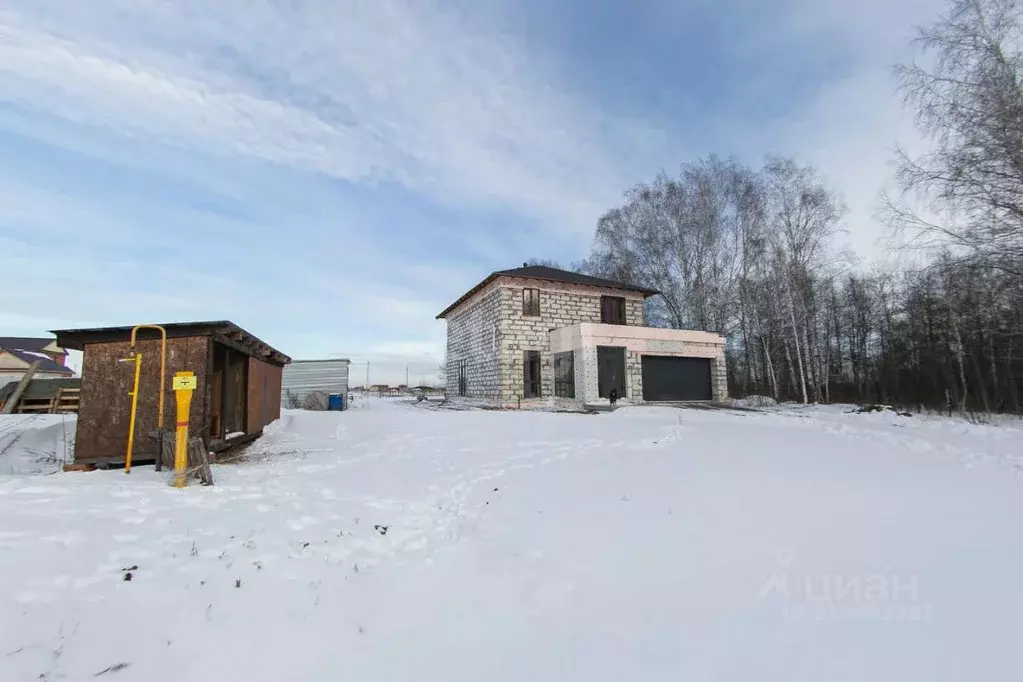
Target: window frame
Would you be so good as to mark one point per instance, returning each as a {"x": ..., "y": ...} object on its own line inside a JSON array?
[
  {"x": 613, "y": 310},
  {"x": 532, "y": 387},
  {"x": 564, "y": 387},
  {"x": 527, "y": 307},
  {"x": 463, "y": 379}
]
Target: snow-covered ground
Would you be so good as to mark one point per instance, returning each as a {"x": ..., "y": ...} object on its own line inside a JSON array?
[
  {"x": 399, "y": 543},
  {"x": 36, "y": 443}
]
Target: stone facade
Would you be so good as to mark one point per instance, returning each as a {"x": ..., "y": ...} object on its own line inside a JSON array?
[
  {"x": 633, "y": 375},
  {"x": 561, "y": 305},
  {"x": 474, "y": 336},
  {"x": 719, "y": 378},
  {"x": 490, "y": 332}
]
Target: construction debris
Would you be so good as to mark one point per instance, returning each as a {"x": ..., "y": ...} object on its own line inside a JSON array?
[{"x": 42, "y": 396}]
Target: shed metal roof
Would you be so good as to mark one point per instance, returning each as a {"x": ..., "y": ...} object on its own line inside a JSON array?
[{"x": 77, "y": 338}]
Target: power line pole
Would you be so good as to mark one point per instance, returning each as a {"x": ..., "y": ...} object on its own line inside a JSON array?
[
  {"x": 367, "y": 375},
  {"x": 406, "y": 376}
]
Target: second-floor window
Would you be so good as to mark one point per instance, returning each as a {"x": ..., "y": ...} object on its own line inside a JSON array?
[
  {"x": 612, "y": 310},
  {"x": 531, "y": 302}
]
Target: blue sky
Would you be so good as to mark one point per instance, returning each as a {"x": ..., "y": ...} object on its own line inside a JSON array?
[{"x": 331, "y": 174}]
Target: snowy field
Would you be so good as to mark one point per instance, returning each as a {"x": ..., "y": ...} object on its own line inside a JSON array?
[
  {"x": 398, "y": 543},
  {"x": 36, "y": 443}
]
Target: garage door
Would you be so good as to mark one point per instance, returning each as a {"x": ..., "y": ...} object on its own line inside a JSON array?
[{"x": 667, "y": 378}]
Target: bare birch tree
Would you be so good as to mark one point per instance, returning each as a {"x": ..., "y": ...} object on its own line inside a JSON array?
[{"x": 968, "y": 97}]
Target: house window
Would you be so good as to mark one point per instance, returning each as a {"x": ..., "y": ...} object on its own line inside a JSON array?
[
  {"x": 612, "y": 310},
  {"x": 531, "y": 374},
  {"x": 461, "y": 378},
  {"x": 564, "y": 375},
  {"x": 531, "y": 302}
]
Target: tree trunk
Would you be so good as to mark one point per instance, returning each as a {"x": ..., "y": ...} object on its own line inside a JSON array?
[{"x": 795, "y": 339}]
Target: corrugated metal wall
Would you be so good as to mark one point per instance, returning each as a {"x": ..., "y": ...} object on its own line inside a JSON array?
[{"x": 303, "y": 377}]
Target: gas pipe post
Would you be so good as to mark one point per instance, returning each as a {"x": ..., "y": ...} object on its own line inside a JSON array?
[
  {"x": 184, "y": 384},
  {"x": 135, "y": 358}
]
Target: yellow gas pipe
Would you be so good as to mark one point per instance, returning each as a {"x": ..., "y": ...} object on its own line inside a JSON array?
[{"x": 137, "y": 357}]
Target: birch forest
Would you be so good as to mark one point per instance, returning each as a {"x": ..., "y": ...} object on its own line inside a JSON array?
[{"x": 750, "y": 251}]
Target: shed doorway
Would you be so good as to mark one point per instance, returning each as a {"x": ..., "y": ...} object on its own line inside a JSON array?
[{"x": 228, "y": 392}]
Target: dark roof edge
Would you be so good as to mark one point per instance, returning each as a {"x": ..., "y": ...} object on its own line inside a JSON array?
[
  {"x": 307, "y": 361},
  {"x": 501, "y": 273},
  {"x": 19, "y": 343},
  {"x": 46, "y": 364},
  {"x": 77, "y": 338},
  {"x": 467, "y": 295}
]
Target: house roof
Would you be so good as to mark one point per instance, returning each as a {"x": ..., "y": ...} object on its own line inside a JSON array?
[
  {"x": 547, "y": 274},
  {"x": 46, "y": 364},
  {"x": 224, "y": 330},
  {"x": 26, "y": 343}
]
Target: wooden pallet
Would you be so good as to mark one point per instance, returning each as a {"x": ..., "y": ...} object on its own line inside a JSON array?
[
  {"x": 35, "y": 405},
  {"x": 66, "y": 400},
  {"x": 198, "y": 458}
]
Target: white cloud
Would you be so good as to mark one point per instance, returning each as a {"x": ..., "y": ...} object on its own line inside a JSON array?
[
  {"x": 371, "y": 93},
  {"x": 366, "y": 92},
  {"x": 849, "y": 128}
]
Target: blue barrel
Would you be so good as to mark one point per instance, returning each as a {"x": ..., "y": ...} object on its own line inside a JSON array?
[{"x": 335, "y": 402}]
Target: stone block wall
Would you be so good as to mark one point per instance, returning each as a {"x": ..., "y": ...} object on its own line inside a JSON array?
[
  {"x": 635, "y": 314},
  {"x": 491, "y": 334},
  {"x": 634, "y": 375},
  {"x": 474, "y": 335},
  {"x": 586, "y": 368},
  {"x": 560, "y": 306},
  {"x": 719, "y": 379}
]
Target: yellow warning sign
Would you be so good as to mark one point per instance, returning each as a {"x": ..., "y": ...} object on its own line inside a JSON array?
[{"x": 184, "y": 381}]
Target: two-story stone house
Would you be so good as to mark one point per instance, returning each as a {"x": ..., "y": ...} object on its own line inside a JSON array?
[{"x": 535, "y": 332}]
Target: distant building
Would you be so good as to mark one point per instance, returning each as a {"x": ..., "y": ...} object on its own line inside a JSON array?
[
  {"x": 304, "y": 377},
  {"x": 17, "y": 354}
]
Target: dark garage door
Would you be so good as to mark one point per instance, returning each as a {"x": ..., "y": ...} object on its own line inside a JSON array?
[{"x": 667, "y": 378}]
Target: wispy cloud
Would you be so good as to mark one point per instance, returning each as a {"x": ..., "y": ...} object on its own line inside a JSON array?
[
  {"x": 332, "y": 174},
  {"x": 385, "y": 91}
]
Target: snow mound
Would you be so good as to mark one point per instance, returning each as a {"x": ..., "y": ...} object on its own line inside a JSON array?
[
  {"x": 36, "y": 443},
  {"x": 755, "y": 401}
]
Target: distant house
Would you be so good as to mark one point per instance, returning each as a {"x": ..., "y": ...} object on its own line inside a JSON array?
[
  {"x": 536, "y": 332},
  {"x": 17, "y": 354}
]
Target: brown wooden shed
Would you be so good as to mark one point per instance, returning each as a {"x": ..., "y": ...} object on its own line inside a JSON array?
[{"x": 238, "y": 388}]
